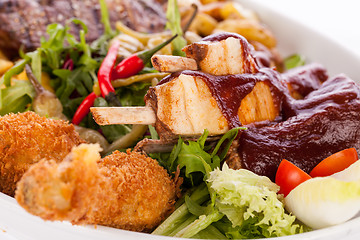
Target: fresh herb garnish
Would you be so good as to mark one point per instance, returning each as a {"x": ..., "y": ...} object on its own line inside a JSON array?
[{"x": 293, "y": 61}]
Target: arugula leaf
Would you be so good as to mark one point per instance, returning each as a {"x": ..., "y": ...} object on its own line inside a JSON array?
[
  {"x": 153, "y": 134},
  {"x": 133, "y": 95},
  {"x": 77, "y": 81},
  {"x": 36, "y": 63},
  {"x": 174, "y": 24},
  {"x": 195, "y": 159},
  {"x": 105, "y": 18},
  {"x": 16, "y": 69},
  {"x": 293, "y": 61},
  {"x": 17, "y": 97},
  {"x": 101, "y": 44}
]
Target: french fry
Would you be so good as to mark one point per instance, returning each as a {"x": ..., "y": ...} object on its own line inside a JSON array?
[
  {"x": 213, "y": 9},
  {"x": 167, "y": 50},
  {"x": 21, "y": 76},
  {"x": 210, "y": 1},
  {"x": 203, "y": 24},
  {"x": 236, "y": 11},
  {"x": 128, "y": 45},
  {"x": 251, "y": 30},
  {"x": 192, "y": 37},
  {"x": 2, "y": 56},
  {"x": 142, "y": 37},
  {"x": 5, "y": 65}
]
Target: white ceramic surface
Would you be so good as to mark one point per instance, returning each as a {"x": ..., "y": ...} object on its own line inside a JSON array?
[{"x": 294, "y": 37}]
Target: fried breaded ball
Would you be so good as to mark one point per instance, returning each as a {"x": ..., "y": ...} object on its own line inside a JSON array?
[
  {"x": 123, "y": 190},
  {"x": 25, "y": 139}
]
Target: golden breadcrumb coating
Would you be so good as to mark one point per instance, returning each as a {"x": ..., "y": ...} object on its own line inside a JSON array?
[
  {"x": 26, "y": 138},
  {"x": 123, "y": 190}
]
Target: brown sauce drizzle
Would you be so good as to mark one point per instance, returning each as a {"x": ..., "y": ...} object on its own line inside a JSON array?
[
  {"x": 230, "y": 90},
  {"x": 325, "y": 121},
  {"x": 247, "y": 49},
  {"x": 305, "y": 79}
]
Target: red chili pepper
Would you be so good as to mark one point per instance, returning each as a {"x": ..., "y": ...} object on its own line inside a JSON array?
[
  {"x": 84, "y": 108},
  {"x": 105, "y": 71},
  {"x": 136, "y": 62}
]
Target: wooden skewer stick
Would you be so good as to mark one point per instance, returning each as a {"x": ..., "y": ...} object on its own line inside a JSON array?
[
  {"x": 123, "y": 115},
  {"x": 167, "y": 63}
]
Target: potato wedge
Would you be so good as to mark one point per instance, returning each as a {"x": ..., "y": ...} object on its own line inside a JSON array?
[{"x": 252, "y": 31}]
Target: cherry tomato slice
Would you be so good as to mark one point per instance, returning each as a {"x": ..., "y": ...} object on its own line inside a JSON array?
[
  {"x": 288, "y": 176},
  {"x": 335, "y": 163}
]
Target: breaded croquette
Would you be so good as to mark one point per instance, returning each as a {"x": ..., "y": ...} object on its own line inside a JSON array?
[
  {"x": 25, "y": 139},
  {"x": 123, "y": 190}
]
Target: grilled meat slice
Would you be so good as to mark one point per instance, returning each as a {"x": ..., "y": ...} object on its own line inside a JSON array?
[
  {"x": 188, "y": 102},
  {"x": 326, "y": 121},
  {"x": 258, "y": 105},
  {"x": 303, "y": 80},
  {"x": 185, "y": 106},
  {"x": 228, "y": 91},
  {"x": 222, "y": 54},
  {"x": 25, "y": 21}
]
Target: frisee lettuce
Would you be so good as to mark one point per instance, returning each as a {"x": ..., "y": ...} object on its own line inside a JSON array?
[
  {"x": 237, "y": 204},
  {"x": 243, "y": 195}
]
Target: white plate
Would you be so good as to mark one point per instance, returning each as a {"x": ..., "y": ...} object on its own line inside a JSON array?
[{"x": 294, "y": 37}]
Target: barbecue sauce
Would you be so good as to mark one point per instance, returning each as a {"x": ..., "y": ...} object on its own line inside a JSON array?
[{"x": 323, "y": 121}]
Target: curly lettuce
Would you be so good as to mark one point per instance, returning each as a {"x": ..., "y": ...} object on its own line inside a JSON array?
[
  {"x": 243, "y": 197},
  {"x": 228, "y": 203}
]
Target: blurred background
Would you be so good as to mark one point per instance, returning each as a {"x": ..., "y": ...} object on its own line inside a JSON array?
[{"x": 339, "y": 20}]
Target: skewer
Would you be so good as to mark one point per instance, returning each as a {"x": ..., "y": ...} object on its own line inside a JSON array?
[
  {"x": 123, "y": 115},
  {"x": 167, "y": 63}
]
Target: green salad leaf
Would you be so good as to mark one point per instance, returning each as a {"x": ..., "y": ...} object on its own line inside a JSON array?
[
  {"x": 295, "y": 60},
  {"x": 111, "y": 132},
  {"x": 17, "y": 97},
  {"x": 245, "y": 196},
  {"x": 71, "y": 85},
  {"x": 238, "y": 204},
  {"x": 174, "y": 24},
  {"x": 194, "y": 157},
  {"x": 16, "y": 69}
]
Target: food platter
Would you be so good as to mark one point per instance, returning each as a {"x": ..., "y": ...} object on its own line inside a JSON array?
[{"x": 16, "y": 223}]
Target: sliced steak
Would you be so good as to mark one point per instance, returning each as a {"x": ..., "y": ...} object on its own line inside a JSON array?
[
  {"x": 59, "y": 11},
  {"x": 34, "y": 16},
  {"x": 23, "y": 22},
  {"x": 12, "y": 27},
  {"x": 142, "y": 15},
  {"x": 89, "y": 12},
  {"x": 326, "y": 121}
]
